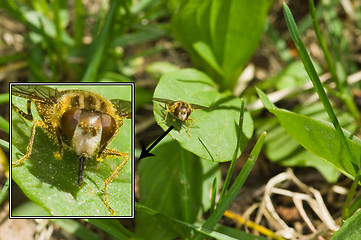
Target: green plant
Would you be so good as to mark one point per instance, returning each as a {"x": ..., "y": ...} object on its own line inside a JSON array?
[
  {"x": 212, "y": 31},
  {"x": 330, "y": 143},
  {"x": 179, "y": 187}
]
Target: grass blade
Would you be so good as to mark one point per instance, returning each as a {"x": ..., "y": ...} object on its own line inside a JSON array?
[
  {"x": 214, "y": 194},
  {"x": 178, "y": 224},
  {"x": 4, "y": 191},
  {"x": 77, "y": 229},
  {"x": 237, "y": 185},
  {"x": 113, "y": 227},
  {"x": 100, "y": 43},
  {"x": 4, "y": 144},
  {"x": 305, "y": 58},
  {"x": 4, "y": 125},
  {"x": 79, "y": 22},
  {"x": 231, "y": 167},
  {"x": 345, "y": 94}
]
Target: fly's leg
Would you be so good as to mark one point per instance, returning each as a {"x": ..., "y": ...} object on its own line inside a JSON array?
[
  {"x": 106, "y": 153},
  {"x": 59, "y": 153},
  {"x": 28, "y": 115},
  {"x": 190, "y": 125},
  {"x": 166, "y": 114},
  {"x": 37, "y": 123}
]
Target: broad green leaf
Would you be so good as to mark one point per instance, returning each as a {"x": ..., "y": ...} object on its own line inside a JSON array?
[
  {"x": 350, "y": 230},
  {"x": 162, "y": 185},
  {"x": 29, "y": 209},
  {"x": 220, "y": 36},
  {"x": 280, "y": 147},
  {"x": 213, "y": 134},
  {"x": 318, "y": 137},
  {"x": 52, "y": 183}
]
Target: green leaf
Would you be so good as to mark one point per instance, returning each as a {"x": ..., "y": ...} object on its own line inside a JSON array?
[
  {"x": 220, "y": 36},
  {"x": 213, "y": 136},
  {"x": 157, "y": 69},
  {"x": 317, "y": 136},
  {"x": 29, "y": 209},
  {"x": 281, "y": 148},
  {"x": 350, "y": 230},
  {"x": 52, "y": 183},
  {"x": 165, "y": 183}
]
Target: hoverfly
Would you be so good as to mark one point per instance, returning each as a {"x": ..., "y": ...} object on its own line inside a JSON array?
[
  {"x": 180, "y": 110},
  {"x": 81, "y": 120}
]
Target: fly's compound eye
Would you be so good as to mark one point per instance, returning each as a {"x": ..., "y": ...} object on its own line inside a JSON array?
[
  {"x": 189, "y": 111},
  {"x": 68, "y": 123},
  {"x": 90, "y": 122},
  {"x": 109, "y": 128}
]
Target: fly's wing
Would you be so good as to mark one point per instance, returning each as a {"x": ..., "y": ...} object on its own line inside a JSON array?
[
  {"x": 35, "y": 92},
  {"x": 124, "y": 108},
  {"x": 162, "y": 100},
  {"x": 167, "y": 101},
  {"x": 196, "y": 106}
]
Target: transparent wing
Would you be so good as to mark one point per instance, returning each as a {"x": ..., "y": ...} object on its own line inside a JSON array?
[
  {"x": 194, "y": 106},
  {"x": 124, "y": 108},
  {"x": 31, "y": 92},
  {"x": 164, "y": 100}
]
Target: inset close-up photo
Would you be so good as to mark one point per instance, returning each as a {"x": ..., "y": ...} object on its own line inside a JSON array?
[
  {"x": 181, "y": 119},
  {"x": 71, "y": 148}
]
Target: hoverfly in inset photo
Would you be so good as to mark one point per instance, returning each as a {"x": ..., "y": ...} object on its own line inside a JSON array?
[
  {"x": 79, "y": 125},
  {"x": 179, "y": 110}
]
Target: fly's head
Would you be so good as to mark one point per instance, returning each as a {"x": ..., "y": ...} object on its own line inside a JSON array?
[
  {"x": 88, "y": 126},
  {"x": 87, "y": 131},
  {"x": 182, "y": 111}
]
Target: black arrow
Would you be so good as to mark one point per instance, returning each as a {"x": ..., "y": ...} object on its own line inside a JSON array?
[{"x": 146, "y": 152}]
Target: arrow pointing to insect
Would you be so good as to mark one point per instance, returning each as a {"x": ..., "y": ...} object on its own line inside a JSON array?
[{"x": 146, "y": 152}]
